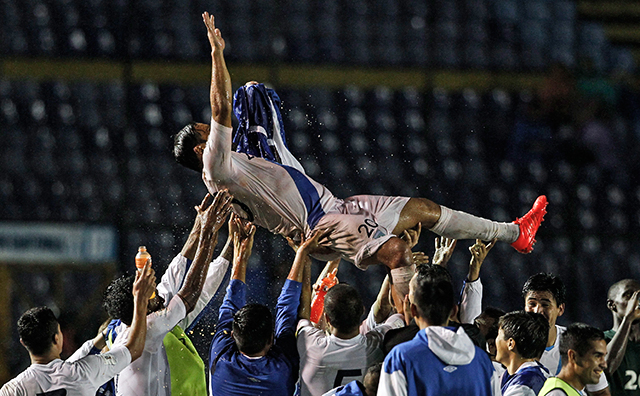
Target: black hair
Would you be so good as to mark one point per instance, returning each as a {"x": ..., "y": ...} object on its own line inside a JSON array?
[
  {"x": 37, "y": 329},
  {"x": 578, "y": 337},
  {"x": 183, "y": 144},
  {"x": 433, "y": 294},
  {"x": 433, "y": 271},
  {"x": 343, "y": 307},
  {"x": 545, "y": 282},
  {"x": 118, "y": 299},
  {"x": 529, "y": 330},
  {"x": 252, "y": 328}
]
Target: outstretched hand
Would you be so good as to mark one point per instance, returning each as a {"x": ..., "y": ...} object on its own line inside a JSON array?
[
  {"x": 243, "y": 232},
  {"x": 214, "y": 214},
  {"x": 479, "y": 252},
  {"x": 412, "y": 235},
  {"x": 444, "y": 250},
  {"x": 215, "y": 37},
  {"x": 310, "y": 245}
]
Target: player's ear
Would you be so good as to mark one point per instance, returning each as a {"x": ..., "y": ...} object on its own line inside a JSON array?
[
  {"x": 612, "y": 305},
  {"x": 561, "y": 308},
  {"x": 453, "y": 316}
]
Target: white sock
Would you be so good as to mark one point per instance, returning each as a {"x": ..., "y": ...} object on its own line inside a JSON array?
[
  {"x": 460, "y": 225},
  {"x": 402, "y": 277}
]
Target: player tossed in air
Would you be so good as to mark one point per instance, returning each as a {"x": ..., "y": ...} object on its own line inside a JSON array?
[{"x": 284, "y": 200}]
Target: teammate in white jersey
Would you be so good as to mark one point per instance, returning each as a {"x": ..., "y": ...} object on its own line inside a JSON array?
[
  {"x": 284, "y": 200},
  {"x": 545, "y": 294},
  {"x": 177, "y": 296},
  {"x": 82, "y": 373},
  {"x": 331, "y": 360}
]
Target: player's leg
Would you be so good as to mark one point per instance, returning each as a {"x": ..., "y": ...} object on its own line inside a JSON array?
[
  {"x": 396, "y": 255},
  {"x": 460, "y": 225}
]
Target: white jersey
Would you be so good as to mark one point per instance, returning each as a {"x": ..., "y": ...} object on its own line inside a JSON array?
[
  {"x": 327, "y": 361},
  {"x": 150, "y": 374},
  {"x": 280, "y": 198},
  {"x": 80, "y": 375},
  {"x": 551, "y": 359}
]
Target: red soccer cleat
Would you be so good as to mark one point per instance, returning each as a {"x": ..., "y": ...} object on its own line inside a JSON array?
[{"x": 529, "y": 225}]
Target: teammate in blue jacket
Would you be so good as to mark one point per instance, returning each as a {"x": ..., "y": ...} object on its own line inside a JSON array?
[{"x": 439, "y": 360}]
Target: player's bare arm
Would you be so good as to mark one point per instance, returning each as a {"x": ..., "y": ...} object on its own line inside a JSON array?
[
  {"x": 220, "y": 95},
  {"x": 617, "y": 347},
  {"x": 143, "y": 288},
  {"x": 213, "y": 215},
  {"x": 301, "y": 269}
]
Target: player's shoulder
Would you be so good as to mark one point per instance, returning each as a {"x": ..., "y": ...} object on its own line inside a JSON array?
[{"x": 21, "y": 385}]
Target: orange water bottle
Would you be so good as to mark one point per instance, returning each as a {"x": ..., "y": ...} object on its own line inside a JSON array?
[
  {"x": 141, "y": 260},
  {"x": 317, "y": 305}
]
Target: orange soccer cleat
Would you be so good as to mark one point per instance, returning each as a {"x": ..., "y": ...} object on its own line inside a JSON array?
[{"x": 529, "y": 225}]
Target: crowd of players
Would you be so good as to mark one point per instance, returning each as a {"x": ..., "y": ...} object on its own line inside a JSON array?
[{"x": 425, "y": 343}]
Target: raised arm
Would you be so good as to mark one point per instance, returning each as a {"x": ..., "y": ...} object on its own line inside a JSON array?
[
  {"x": 471, "y": 298},
  {"x": 143, "y": 288},
  {"x": 298, "y": 272},
  {"x": 220, "y": 94},
  {"x": 617, "y": 347},
  {"x": 243, "y": 232},
  {"x": 212, "y": 218}
]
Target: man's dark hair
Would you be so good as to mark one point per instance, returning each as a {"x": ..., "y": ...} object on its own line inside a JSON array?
[
  {"x": 545, "y": 282},
  {"x": 578, "y": 337},
  {"x": 530, "y": 331},
  {"x": 252, "y": 328},
  {"x": 433, "y": 294},
  {"x": 433, "y": 271},
  {"x": 118, "y": 299},
  {"x": 183, "y": 144},
  {"x": 343, "y": 307},
  {"x": 37, "y": 329}
]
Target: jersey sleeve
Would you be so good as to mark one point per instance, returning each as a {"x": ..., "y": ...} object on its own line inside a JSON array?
[
  {"x": 286, "y": 315},
  {"x": 216, "y": 157},
  {"x": 159, "y": 323},
  {"x": 173, "y": 277},
  {"x": 233, "y": 301},
  {"x": 84, "y": 350},
  {"x": 98, "y": 369},
  {"x": 215, "y": 276},
  {"x": 471, "y": 301},
  {"x": 519, "y": 390},
  {"x": 308, "y": 336},
  {"x": 393, "y": 381},
  {"x": 394, "y": 321}
]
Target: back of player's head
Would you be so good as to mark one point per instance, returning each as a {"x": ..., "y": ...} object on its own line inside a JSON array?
[
  {"x": 433, "y": 271},
  {"x": 37, "y": 329},
  {"x": 252, "y": 328},
  {"x": 578, "y": 337},
  {"x": 529, "y": 330},
  {"x": 372, "y": 379},
  {"x": 343, "y": 307},
  {"x": 183, "y": 145},
  {"x": 118, "y": 299},
  {"x": 545, "y": 282},
  {"x": 433, "y": 294}
]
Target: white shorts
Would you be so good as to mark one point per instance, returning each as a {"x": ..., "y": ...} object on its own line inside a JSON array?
[{"x": 360, "y": 225}]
